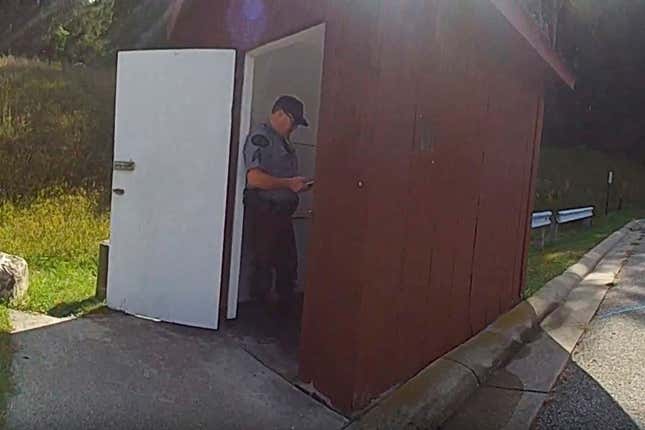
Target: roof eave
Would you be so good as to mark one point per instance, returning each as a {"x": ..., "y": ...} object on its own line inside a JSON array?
[
  {"x": 174, "y": 11},
  {"x": 516, "y": 16}
]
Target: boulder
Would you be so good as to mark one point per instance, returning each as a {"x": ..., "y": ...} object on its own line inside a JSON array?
[{"x": 14, "y": 277}]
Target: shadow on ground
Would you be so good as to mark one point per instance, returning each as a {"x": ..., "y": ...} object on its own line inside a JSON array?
[
  {"x": 580, "y": 402},
  {"x": 6, "y": 357},
  {"x": 74, "y": 308}
]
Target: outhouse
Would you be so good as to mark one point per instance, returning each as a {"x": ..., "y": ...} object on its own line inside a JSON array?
[{"x": 426, "y": 120}]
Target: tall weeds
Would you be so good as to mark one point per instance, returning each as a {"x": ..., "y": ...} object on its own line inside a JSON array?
[{"x": 55, "y": 127}]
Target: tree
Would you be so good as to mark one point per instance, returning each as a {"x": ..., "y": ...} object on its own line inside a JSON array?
[
  {"x": 600, "y": 39},
  {"x": 88, "y": 31},
  {"x": 81, "y": 35},
  {"x": 22, "y": 24}
]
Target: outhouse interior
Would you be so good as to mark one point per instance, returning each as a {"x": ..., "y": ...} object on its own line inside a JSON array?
[{"x": 293, "y": 66}]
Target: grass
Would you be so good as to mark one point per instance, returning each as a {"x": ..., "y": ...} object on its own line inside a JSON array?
[
  {"x": 5, "y": 325},
  {"x": 58, "y": 234},
  {"x": 555, "y": 258}
]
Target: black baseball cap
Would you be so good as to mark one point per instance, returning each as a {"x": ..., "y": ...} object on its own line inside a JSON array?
[{"x": 293, "y": 107}]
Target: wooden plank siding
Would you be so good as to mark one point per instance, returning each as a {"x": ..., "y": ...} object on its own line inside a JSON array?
[{"x": 436, "y": 106}]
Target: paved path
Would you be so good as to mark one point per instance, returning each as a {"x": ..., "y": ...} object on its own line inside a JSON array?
[
  {"x": 603, "y": 387},
  {"x": 110, "y": 371},
  {"x": 25, "y": 321}
]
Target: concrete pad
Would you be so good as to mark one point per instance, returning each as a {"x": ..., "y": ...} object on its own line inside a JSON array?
[
  {"x": 551, "y": 295},
  {"x": 600, "y": 278},
  {"x": 24, "y": 321},
  {"x": 515, "y": 323},
  {"x": 566, "y": 335},
  {"x": 484, "y": 353},
  {"x": 591, "y": 258},
  {"x": 426, "y": 400},
  {"x": 536, "y": 367},
  {"x": 565, "y": 283},
  {"x": 492, "y": 347},
  {"x": 272, "y": 341},
  {"x": 567, "y": 324},
  {"x": 496, "y": 409},
  {"x": 111, "y": 371},
  {"x": 586, "y": 265},
  {"x": 578, "y": 309}
]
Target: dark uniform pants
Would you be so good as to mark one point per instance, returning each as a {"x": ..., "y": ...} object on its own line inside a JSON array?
[{"x": 273, "y": 245}]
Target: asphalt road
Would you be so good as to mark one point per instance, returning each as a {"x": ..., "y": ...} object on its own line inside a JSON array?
[{"x": 603, "y": 387}]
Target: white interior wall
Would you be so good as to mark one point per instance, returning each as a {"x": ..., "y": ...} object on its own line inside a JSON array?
[{"x": 293, "y": 70}]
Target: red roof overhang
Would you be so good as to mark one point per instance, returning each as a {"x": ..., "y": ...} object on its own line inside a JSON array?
[{"x": 513, "y": 13}]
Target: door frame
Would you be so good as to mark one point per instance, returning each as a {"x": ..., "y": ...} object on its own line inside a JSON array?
[{"x": 317, "y": 31}]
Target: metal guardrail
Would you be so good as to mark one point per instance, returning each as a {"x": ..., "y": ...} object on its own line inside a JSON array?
[
  {"x": 547, "y": 222},
  {"x": 577, "y": 214},
  {"x": 541, "y": 219}
]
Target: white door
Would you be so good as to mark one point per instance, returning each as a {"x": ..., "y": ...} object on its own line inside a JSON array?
[{"x": 173, "y": 122}]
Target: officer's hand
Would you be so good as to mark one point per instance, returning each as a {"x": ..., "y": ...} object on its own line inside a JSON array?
[{"x": 297, "y": 184}]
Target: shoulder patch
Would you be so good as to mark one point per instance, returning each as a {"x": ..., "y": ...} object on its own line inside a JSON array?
[{"x": 261, "y": 141}]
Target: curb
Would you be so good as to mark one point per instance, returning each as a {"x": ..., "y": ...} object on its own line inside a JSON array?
[{"x": 437, "y": 391}]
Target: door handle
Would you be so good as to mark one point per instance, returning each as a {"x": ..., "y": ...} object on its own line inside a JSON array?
[
  {"x": 124, "y": 166},
  {"x": 118, "y": 191}
]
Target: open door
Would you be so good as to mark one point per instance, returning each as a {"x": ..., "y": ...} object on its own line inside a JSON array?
[{"x": 172, "y": 139}]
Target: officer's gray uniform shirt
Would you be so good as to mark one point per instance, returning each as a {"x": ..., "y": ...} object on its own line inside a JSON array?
[{"x": 266, "y": 150}]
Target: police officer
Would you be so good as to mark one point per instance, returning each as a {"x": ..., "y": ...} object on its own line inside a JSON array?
[{"x": 271, "y": 198}]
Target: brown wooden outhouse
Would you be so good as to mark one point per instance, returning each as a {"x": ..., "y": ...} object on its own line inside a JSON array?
[{"x": 427, "y": 121}]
